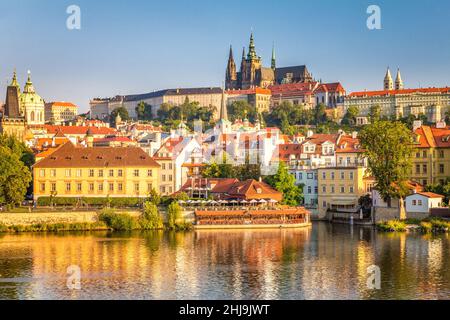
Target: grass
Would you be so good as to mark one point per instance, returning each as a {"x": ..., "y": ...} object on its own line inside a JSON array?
[
  {"x": 434, "y": 225},
  {"x": 55, "y": 227}
]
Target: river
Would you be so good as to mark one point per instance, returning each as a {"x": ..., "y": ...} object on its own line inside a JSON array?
[{"x": 321, "y": 262}]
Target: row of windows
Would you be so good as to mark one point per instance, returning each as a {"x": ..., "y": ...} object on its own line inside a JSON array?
[
  {"x": 163, "y": 166},
  {"x": 342, "y": 189},
  {"x": 165, "y": 178},
  {"x": 92, "y": 173},
  {"x": 92, "y": 187},
  {"x": 341, "y": 175}
]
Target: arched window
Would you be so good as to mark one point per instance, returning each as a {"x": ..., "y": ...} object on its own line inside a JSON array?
[{"x": 32, "y": 116}]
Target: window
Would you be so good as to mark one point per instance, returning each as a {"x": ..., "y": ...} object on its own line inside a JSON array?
[
  {"x": 342, "y": 189},
  {"x": 79, "y": 173},
  {"x": 324, "y": 175},
  {"x": 53, "y": 187},
  {"x": 111, "y": 173},
  {"x": 332, "y": 175},
  {"x": 324, "y": 204},
  {"x": 351, "y": 190},
  {"x": 163, "y": 166},
  {"x": 68, "y": 173},
  {"x": 441, "y": 153},
  {"x": 120, "y": 173},
  {"x": 300, "y": 176},
  {"x": 149, "y": 187},
  {"x": 100, "y": 173},
  {"x": 424, "y": 168},
  {"x": 332, "y": 189},
  {"x": 419, "y": 202},
  {"x": 120, "y": 187},
  {"x": 150, "y": 173},
  {"x": 42, "y": 187},
  {"x": 136, "y": 173},
  {"x": 414, "y": 202},
  {"x": 170, "y": 178},
  {"x": 91, "y": 173},
  {"x": 163, "y": 177},
  {"x": 417, "y": 154},
  {"x": 170, "y": 189},
  {"x": 170, "y": 166},
  {"x": 324, "y": 189},
  {"x": 351, "y": 175},
  {"x": 424, "y": 154},
  {"x": 111, "y": 187},
  {"x": 316, "y": 190},
  {"x": 342, "y": 175},
  {"x": 136, "y": 187},
  {"x": 441, "y": 168},
  {"x": 309, "y": 190},
  {"x": 42, "y": 173},
  {"x": 100, "y": 187},
  {"x": 417, "y": 168},
  {"x": 309, "y": 176},
  {"x": 163, "y": 189},
  {"x": 68, "y": 187},
  {"x": 79, "y": 187}
]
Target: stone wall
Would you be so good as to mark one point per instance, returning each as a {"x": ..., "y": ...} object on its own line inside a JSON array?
[
  {"x": 384, "y": 214},
  {"x": 10, "y": 219}
]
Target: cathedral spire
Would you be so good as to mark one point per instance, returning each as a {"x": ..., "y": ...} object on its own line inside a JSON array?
[
  {"x": 14, "y": 82},
  {"x": 231, "y": 74},
  {"x": 29, "y": 88},
  {"x": 251, "y": 48},
  {"x": 223, "y": 108},
  {"x": 273, "y": 64},
  {"x": 398, "y": 81}
]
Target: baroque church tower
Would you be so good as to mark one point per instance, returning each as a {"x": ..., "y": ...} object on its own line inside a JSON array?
[
  {"x": 388, "y": 82},
  {"x": 398, "y": 81}
]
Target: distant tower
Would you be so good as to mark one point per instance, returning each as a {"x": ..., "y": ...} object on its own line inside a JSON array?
[
  {"x": 224, "y": 126},
  {"x": 398, "y": 81},
  {"x": 231, "y": 74},
  {"x": 89, "y": 138},
  {"x": 12, "y": 107},
  {"x": 274, "y": 63},
  {"x": 388, "y": 82}
]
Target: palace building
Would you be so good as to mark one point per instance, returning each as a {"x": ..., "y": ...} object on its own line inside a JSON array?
[
  {"x": 100, "y": 172},
  {"x": 396, "y": 101},
  {"x": 253, "y": 74}
]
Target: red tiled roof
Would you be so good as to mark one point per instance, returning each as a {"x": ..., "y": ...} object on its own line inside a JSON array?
[
  {"x": 80, "y": 130},
  {"x": 62, "y": 104},
  {"x": 249, "y": 91},
  {"x": 330, "y": 87},
  {"x": 431, "y": 137},
  {"x": 249, "y": 190},
  {"x": 348, "y": 144},
  {"x": 399, "y": 92},
  {"x": 69, "y": 156},
  {"x": 430, "y": 195}
]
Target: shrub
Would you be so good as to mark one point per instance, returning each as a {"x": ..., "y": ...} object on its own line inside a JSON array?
[
  {"x": 3, "y": 228},
  {"x": 118, "y": 222},
  {"x": 426, "y": 227},
  {"x": 150, "y": 218},
  {"x": 392, "y": 226},
  {"x": 173, "y": 215},
  {"x": 98, "y": 202}
]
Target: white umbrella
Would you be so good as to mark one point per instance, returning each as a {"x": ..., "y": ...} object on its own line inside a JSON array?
[
  {"x": 213, "y": 202},
  {"x": 244, "y": 201},
  {"x": 273, "y": 201},
  {"x": 262, "y": 201},
  {"x": 189, "y": 201},
  {"x": 253, "y": 201},
  {"x": 233, "y": 201},
  {"x": 181, "y": 202}
]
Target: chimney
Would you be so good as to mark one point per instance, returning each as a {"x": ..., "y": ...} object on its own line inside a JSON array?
[
  {"x": 354, "y": 134},
  {"x": 417, "y": 124},
  {"x": 309, "y": 134}
]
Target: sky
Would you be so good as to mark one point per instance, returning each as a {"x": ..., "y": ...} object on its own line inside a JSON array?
[{"x": 139, "y": 46}]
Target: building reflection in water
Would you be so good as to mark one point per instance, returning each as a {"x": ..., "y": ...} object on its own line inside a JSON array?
[{"x": 323, "y": 262}]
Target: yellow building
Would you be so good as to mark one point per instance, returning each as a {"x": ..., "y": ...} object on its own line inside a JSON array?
[
  {"x": 59, "y": 112},
  {"x": 431, "y": 161},
  {"x": 341, "y": 187},
  {"x": 72, "y": 171}
]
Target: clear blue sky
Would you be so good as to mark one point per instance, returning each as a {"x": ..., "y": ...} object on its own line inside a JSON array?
[{"x": 138, "y": 46}]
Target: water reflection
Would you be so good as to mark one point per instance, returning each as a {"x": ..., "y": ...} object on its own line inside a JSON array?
[{"x": 322, "y": 262}]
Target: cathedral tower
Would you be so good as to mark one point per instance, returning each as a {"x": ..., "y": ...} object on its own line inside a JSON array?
[
  {"x": 398, "y": 81},
  {"x": 273, "y": 65},
  {"x": 231, "y": 74},
  {"x": 388, "y": 82}
]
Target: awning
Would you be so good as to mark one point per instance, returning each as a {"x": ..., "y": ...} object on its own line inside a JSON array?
[{"x": 338, "y": 201}]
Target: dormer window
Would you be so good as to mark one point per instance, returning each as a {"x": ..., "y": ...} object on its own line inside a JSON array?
[{"x": 258, "y": 190}]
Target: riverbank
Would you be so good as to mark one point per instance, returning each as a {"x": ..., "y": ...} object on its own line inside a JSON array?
[{"x": 429, "y": 225}]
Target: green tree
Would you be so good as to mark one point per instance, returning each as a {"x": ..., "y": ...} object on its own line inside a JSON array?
[
  {"x": 123, "y": 114},
  {"x": 350, "y": 116},
  {"x": 173, "y": 215},
  {"x": 374, "y": 113},
  {"x": 150, "y": 218},
  {"x": 154, "y": 197},
  {"x": 443, "y": 189},
  {"x": 320, "y": 115},
  {"x": 388, "y": 148},
  {"x": 15, "y": 177},
  {"x": 284, "y": 182}
]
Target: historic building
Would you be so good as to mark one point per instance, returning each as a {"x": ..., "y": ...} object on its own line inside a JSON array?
[
  {"x": 32, "y": 106},
  {"x": 257, "y": 97},
  {"x": 396, "y": 101},
  {"x": 60, "y": 112},
  {"x": 77, "y": 172},
  {"x": 253, "y": 74},
  {"x": 12, "y": 120}
]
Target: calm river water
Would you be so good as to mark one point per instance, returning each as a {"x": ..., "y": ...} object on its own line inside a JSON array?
[{"x": 322, "y": 262}]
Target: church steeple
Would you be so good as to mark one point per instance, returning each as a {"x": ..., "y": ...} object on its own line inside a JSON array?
[
  {"x": 223, "y": 108},
  {"x": 14, "y": 82},
  {"x": 29, "y": 88},
  {"x": 398, "y": 81},
  {"x": 388, "y": 82},
  {"x": 273, "y": 64},
  {"x": 231, "y": 74},
  {"x": 251, "y": 49}
]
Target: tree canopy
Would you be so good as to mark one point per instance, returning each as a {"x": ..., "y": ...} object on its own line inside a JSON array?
[
  {"x": 284, "y": 182},
  {"x": 388, "y": 148},
  {"x": 123, "y": 115}
]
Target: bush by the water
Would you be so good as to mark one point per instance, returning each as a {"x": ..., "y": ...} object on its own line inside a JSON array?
[
  {"x": 118, "y": 221},
  {"x": 54, "y": 227},
  {"x": 392, "y": 226},
  {"x": 434, "y": 225},
  {"x": 175, "y": 221},
  {"x": 150, "y": 218}
]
